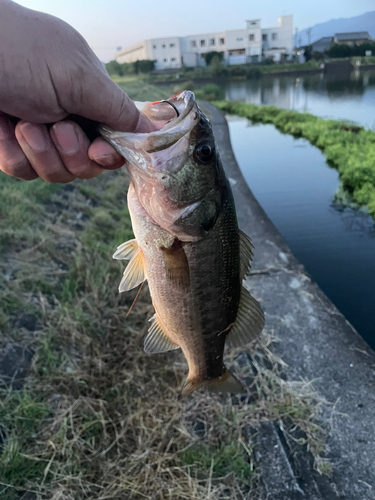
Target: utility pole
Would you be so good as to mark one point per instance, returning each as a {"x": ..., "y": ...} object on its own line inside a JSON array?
[{"x": 309, "y": 36}]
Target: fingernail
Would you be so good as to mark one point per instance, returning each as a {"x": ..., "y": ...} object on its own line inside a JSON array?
[
  {"x": 107, "y": 160},
  {"x": 34, "y": 137},
  {"x": 66, "y": 137}
]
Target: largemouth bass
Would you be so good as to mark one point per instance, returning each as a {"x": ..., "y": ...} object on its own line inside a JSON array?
[{"x": 187, "y": 242}]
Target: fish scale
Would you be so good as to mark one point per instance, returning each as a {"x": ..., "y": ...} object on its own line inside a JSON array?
[{"x": 187, "y": 243}]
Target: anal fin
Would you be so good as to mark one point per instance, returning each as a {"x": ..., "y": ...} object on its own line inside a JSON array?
[
  {"x": 249, "y": 321},
  {"x": 156, "y": 340},
  {"x": 135, "y": 272}
]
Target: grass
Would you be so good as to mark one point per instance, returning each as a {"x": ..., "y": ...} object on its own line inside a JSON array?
[
  {"x": 350, "y": 149},
  {"x": 97, "y": 417}
]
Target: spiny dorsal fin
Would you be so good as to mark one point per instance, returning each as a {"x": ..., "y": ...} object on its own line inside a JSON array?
[
  {"x": 246, "y": 253},
  {"x": 135, "y": 272},
  {"x": 249, "y": 321},
  {"x": 176, "y": 264},
  {"x": 226, "y": 383},
  {"x": 156, "y": 340},
  {"x": 127, "y": 250}
]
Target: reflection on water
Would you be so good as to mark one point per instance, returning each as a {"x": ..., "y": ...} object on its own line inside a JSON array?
[
  {"x": 355, "y": 220},
  {"x": 345, "y": 97},
  {"x": 296, "y": 188}
]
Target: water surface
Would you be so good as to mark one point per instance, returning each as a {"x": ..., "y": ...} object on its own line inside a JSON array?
[
  {"x": 345, "y": 97},
  {"x": 295, "y": 186}
]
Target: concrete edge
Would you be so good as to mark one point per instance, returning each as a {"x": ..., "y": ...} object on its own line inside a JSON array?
[{"x": 316, "y": 341}]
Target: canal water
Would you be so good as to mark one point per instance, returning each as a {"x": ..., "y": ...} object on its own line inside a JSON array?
[
  {"x": 346, "y": 97},
  {"x": 295, "y": 186}
]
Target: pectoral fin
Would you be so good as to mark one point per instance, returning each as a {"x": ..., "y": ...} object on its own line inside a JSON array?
[
  {"x": 127, "y": 250},
  {"x": 135, "y": 272},
  {"x": 156, "y": 340},
  {"x": 249, "y": 321},
  {"x": 176, "y": 264},
  {"x": 246, "y": 253}
]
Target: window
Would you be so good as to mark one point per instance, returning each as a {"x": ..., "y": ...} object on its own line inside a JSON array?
[
  {"x": 163, "y": 45},
  {"x": 253, "y": 23},
  {"x": 171, "y": 44},
  {"x": 212, "y": 41},
  {"x": 222, "y": 41},
  {"x": 193, "y": 43},
  {"x": 264, "y": 38},
  {"x": 165, "y": 60},
  {"x": 274, "y": 36},
  {"x": 203, "y": 43},
  {"x": 154, "y": 46},
  {"x": 173, "y": 59},
  {"x": 251, "y": 37},
  {"x": 237, "y": 52},
  {"x": 239, "y": 40}
]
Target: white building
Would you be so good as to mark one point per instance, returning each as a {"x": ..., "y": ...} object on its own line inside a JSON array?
[{"x": 251, "y": 44}]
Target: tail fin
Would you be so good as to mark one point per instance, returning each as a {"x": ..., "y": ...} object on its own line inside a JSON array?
[{"x": 226, "y": 383}]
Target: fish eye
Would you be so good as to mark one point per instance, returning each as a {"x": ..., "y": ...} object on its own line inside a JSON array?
[{"x": 205, "y": 151}]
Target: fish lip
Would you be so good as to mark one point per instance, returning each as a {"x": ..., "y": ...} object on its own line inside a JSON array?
[
  {"x": 110, "y": 135},
  {"x": 136, "y": 147}
]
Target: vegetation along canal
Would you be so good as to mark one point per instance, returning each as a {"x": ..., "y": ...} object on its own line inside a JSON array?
[{"x": 296, "y": 187}]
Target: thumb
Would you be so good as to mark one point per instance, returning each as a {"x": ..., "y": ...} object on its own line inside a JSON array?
[{"x": 102, "y": 100}]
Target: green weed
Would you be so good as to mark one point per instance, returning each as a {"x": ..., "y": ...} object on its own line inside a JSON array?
[{"x": 350, "y": 149}]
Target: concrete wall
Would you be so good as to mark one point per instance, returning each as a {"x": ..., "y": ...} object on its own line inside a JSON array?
[
  {"x": 166, "y": 52},
  {"x": 278, "y": 40},
  {"x": 136, "y": 52},
  {"x": 317, "y": 343}
]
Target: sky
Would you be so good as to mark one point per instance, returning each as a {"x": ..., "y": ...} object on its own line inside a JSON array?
[{"x": 108, "y": 24}]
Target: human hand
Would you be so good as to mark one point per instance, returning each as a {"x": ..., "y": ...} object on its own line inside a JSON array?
[{"x": 48, "y": 72}]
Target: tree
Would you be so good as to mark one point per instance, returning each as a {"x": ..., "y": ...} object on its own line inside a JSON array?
[
  {"x": 340, "y": 50},
  {"x": 216, "y": 66},
  {"x": 308, "y": 53},
  {"x": 208, "y": 56},
  {"x": 114, "y": 68}
]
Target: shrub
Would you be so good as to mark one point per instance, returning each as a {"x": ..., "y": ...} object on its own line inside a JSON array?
[{"x": 209, "y": 92}]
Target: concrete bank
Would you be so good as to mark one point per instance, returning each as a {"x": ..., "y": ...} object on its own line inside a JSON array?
[{"x": 318, "y": 344}]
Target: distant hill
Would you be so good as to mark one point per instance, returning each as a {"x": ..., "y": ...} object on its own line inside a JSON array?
[{"x": 365, "y": 22}]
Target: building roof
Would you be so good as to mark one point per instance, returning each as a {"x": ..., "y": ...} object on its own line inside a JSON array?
[
  {"x": 322, "y": 44},
  {"x": 357, "y": 35},
  {"x": 323, "y": 41}
]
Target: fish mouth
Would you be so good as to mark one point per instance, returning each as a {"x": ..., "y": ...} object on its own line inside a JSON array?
[{"x": 173, "y": 119}]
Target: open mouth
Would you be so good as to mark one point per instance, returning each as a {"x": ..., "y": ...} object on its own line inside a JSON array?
[{"x": 172, "y": 119}]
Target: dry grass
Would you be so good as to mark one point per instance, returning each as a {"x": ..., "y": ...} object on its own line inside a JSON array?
[{"x": 97, "y": 417}]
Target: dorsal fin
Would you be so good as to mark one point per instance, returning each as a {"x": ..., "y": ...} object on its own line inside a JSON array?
[
  {"x": 249, "y": 321},
  {"x": 246, "y": 253},
  {"x": 127, "y": 250},
  {"x": 156, "y": 340},
  {"x": 135, "y": 272}
]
